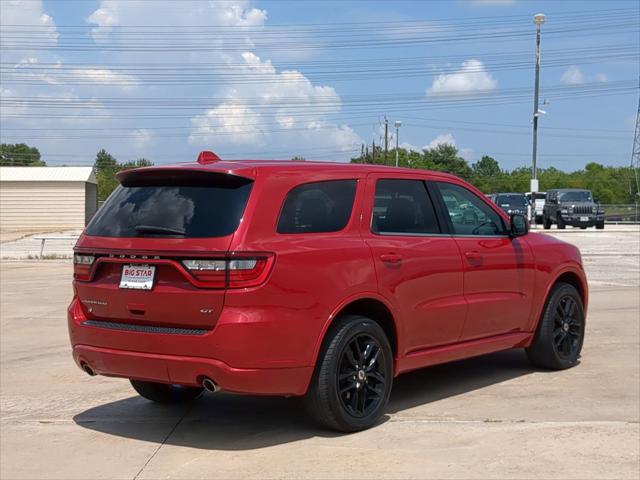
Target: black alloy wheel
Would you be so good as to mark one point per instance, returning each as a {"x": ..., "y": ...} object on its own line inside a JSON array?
[
  {"x": 353, "y": 377},
  {"x": 558, "y": 340},
  {"x": 568, "y": 331},
  {"x": 361, "y": 376}
]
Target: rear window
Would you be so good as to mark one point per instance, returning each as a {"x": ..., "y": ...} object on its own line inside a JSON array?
[
  {"x": 318, "y": 207},
  {"x": 206, "y": 205}
]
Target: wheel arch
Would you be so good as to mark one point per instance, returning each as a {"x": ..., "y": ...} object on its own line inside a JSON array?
[
  {"x": 569, "y": 275},
  {"x": 368, "y": 305}
]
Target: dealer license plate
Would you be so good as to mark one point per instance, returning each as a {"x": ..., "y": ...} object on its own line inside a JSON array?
[
  {"x": 584, "y": 219},
  {"x": 138, "y": 277}
]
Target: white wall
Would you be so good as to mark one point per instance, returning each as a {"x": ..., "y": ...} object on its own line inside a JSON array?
[{"x": 42, "y": 205}]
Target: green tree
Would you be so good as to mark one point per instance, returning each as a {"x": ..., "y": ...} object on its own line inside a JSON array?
[
  {"x": 105, "y": 161},
  {"x": 298, "y": 158},
  {"x": 20, "y": 155},
  {"x": 141, "y": 162},
  {"x": 445, "y": 158}
]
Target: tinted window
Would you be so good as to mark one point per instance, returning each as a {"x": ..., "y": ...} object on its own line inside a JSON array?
[
  {"x": 469, "y": 214},
  {"x": 318, "y": 207},
  {"x": 579, "y": 196},
  {"x": 403, "y": 206},
  {"x": 513, "y": 201},
  {"x": 173, "y": 208}
]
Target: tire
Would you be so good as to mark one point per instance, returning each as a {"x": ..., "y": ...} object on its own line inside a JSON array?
[
  {"x": 546, "y": 223},
  {"x": 560, "y": 334},
  {"x": 600, "y": 226},
  {"x": 343, "y": 396},
  {"x": 583, "y": 228},
  {"x": 561, "y": 225},
  {"x": 165, "y": 393}
]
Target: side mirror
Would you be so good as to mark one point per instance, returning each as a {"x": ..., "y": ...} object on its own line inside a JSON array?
[
  {"x": 519, "y": 225},
  {"x": 596, "y": 200}
]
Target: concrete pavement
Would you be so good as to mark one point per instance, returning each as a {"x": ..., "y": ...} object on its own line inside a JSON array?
[{"x": 490, "y": 417}]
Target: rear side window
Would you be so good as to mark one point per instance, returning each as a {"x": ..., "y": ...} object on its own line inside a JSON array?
[
  {"x": 318, "y": 207},
  {"x": 204, "y": 207},
  {"x": 403, "y": 206}
]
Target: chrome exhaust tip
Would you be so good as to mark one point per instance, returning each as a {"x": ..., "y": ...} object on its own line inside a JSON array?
[
  {"x": 87, "y": 369},
  {"x": 210, "y": 385}
]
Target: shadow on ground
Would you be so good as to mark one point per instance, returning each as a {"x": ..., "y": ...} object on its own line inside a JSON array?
[{"x": 233, "y": 422}]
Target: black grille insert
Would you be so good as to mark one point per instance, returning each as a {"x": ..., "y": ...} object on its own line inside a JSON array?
[{"x": 144, "y": 328}]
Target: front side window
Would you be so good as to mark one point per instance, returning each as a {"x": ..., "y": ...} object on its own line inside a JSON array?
[
  {"x": 469, "y": 215},
  {"x": 403, "y": 207},
  {"x": 318, "y": 207}
]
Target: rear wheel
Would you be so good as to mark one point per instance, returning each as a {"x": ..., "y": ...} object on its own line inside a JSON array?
[
  {"x": 353, "y": 377},
  {"x": 560, "y": 334},
  {"x": 165, "y": 393}
]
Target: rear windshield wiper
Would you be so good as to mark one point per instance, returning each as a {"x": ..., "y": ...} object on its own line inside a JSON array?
[{"x": 159, "y": 229}]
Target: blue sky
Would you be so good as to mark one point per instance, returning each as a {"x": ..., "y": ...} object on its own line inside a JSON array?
[{"x": 272, "y": 79}]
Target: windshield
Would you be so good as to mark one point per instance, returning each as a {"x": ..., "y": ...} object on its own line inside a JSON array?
[
  {"x": 516, "y": 201},
  {"x": 175, "y": 209},
  {"x": 579, "y": 196}
]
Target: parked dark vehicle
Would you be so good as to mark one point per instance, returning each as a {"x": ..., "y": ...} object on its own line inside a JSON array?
[
  {"x": 575, "y": 207},
  {"x": 511, "y": 203}
]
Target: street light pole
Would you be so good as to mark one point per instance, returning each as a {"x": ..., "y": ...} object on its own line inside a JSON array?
[
  {"x": 538, "y": 19},
  {"x": 398, "y": 125}
]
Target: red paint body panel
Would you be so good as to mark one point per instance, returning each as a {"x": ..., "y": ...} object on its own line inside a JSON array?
[{"x": 445, "y": 305}]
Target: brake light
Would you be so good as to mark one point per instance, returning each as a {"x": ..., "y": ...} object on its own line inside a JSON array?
[
  {"x": 239, "y": 271},
  {"x": 82, "y": 266}
]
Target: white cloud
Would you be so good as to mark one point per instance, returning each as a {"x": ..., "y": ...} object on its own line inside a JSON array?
[
  {"x": 142, "y": 138},
  {"x": 444, "y": 139},
  {"x": 114, "y": 13},
  {"x": 284, "y": 109},
  {"x": 472, "y": 77},
  {"x": 572, "y": 76},
  {"x": 17, "y": 12},
  {"x": 601, "y": 77}
]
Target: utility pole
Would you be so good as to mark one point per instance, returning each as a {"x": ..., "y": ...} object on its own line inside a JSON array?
[
  {"x": 398, "y": 125},
  {"x": 386, "y": 139},
  {"x": 538, "y": 19},
  {"x": 635, "y": 154},
  {"x": 373, "y": 151}
]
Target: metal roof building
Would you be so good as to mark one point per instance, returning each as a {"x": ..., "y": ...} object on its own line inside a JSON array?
[{"x": 47, "y": 198}]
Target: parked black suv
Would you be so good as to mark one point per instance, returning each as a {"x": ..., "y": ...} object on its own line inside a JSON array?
[
  {"x": 570, "y": 206},
  {"x": 511, "y": 203}
]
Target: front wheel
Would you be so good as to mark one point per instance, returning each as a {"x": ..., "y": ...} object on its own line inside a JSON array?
[
  {"x": 164, "y": 392},
  {"x": 558, "y": 340},
  {"x": 561, "y": 225},
  {"x": 600, "y": 226},
  {"x": 546, "y": 223},
  {"x": 352, "y": 381}
]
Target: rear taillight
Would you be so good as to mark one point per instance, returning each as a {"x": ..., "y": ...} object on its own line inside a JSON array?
[
  {"x": 82, "y": 266},
  {"x": 238, "y": 271}
]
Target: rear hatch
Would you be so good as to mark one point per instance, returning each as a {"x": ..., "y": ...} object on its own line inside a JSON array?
[{"x": 157, "y": 252}]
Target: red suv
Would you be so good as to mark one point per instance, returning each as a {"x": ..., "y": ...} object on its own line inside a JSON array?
[{"x": 312, "y": 279}]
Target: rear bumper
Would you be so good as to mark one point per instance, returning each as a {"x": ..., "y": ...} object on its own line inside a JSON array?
[
  {"x": 239, "y": 355},
  {"x": 191, "y": 370}
]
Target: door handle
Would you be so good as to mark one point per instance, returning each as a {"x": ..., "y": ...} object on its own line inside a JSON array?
[
  {"x": 391, "y": 258},
  {"x": 474, "y": 258}
]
